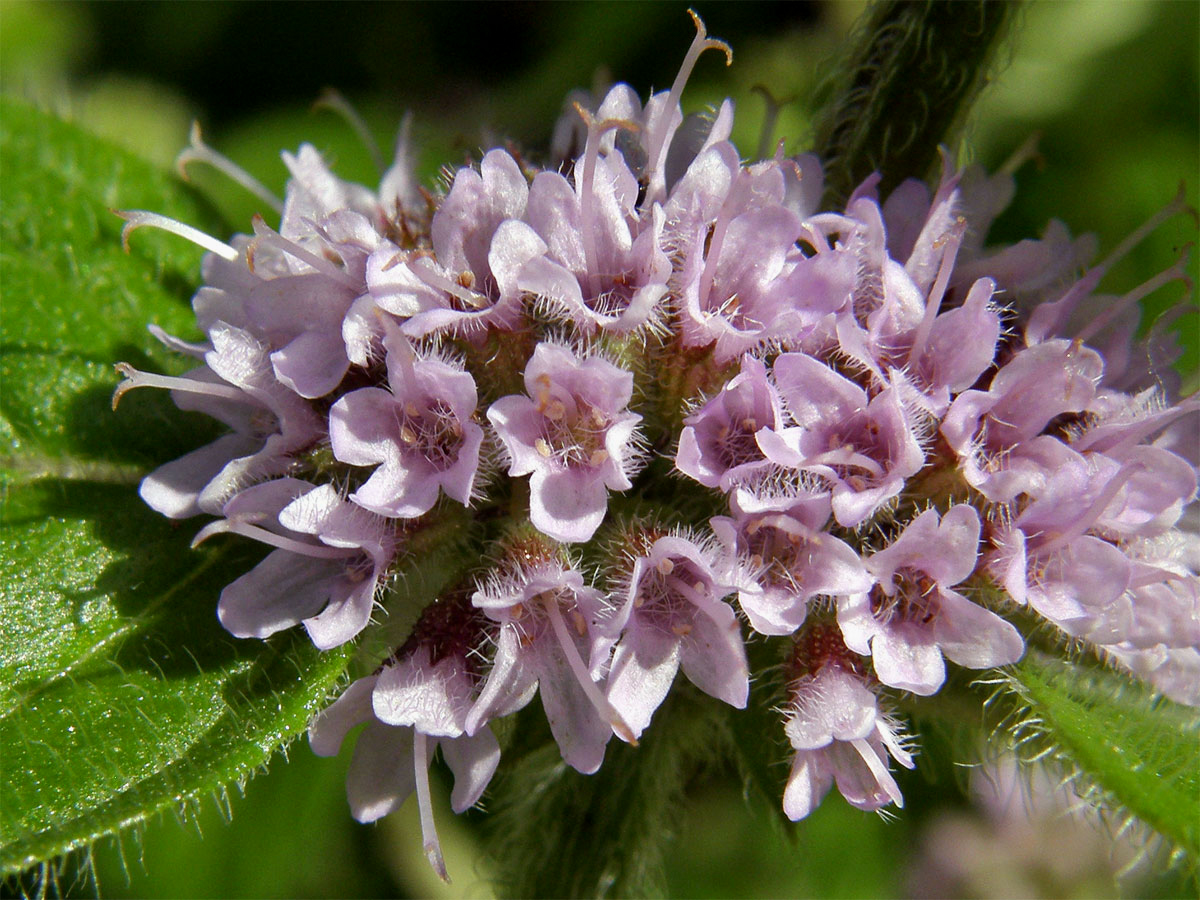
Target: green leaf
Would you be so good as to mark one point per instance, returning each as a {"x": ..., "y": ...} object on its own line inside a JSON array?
[
  {"x": 1127, "y": 749},
  {"x": 120, "y": 694}
]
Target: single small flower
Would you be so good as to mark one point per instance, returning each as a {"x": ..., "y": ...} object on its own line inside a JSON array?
[
  {"x": 717, "y": 446},
  {"x": 670, "y": 616},
  {"x": 839, "y": 734},
  {"x": 864, "y": 447},
  {"x": 330, "y": 557},
  {"x": 574, "y": 434},
  {"x": 780, "y": 556},
  {"x": 421, "y": 429},
  {"x": 912, "y": 618},
  {"x": 391, "y": 762},
  {"x": 551, "y": 638}
]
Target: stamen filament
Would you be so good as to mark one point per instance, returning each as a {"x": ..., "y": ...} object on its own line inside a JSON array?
[
  {"x": 334, "y": 102},
  {"x": 433, "y": 849},
  {"x": 1175, "y": 272},
  {"x": 433, "y": 278},
  {"x": 254, "y": 532},
  {"x": 140, "y": 218},
  {"x": 1094, "y": 510},
  {"x": 1135, "y": 433},
  {"x": 938, "y": 291},
  {"x": 846, "y": 456},
  {"x": 658, "y": 141},
  {"x": 714, "y": 254},
  {"x": 694, "y": 594},
  {"x": 198, "y": 151},
  {"x": 134, "y": 378},
  {"x": 1064, "y": 306},
  {"x": 598, "y": 700},
  {"x": 267, "y": 235}
]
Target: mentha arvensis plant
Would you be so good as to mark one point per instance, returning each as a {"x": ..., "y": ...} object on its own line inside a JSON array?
[{"x": 664, "y": 408}]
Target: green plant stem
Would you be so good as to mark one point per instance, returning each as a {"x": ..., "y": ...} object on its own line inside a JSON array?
[{"x": 915, "y": 70}]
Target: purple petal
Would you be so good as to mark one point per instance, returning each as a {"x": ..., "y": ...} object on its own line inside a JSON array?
[
  {"x": 279, "y": 592},
  {"x": 381, "y": 774},
  {"x": 643, "y": 668},
  {"x": 174, "y": 488},
  {"x": 329, "y": 728},
  {"x": 473, "y": 760},
  {"x": 714, "y": 656},
  {"x": 567, "y": 505}
]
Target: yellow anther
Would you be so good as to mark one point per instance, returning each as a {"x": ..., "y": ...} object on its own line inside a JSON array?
[
  {"x": 665, "y": 566},
  {"x": 542, "y": 447}
]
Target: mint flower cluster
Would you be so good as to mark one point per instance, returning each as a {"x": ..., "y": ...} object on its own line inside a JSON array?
[{"x": 670, "y": 407}]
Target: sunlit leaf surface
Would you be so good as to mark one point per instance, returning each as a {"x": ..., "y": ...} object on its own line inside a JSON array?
[{"x": 120, "y": 694}]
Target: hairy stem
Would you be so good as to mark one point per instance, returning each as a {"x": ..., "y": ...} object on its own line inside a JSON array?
[{"x": 917, "y": 66}]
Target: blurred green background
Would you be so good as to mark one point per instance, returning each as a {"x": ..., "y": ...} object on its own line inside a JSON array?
[{"x": 1112, "y": 87}]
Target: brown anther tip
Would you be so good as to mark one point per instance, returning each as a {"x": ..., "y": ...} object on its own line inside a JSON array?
[
  {"x": 128, "y": 227},
  {"x": 583, "y": 112},
  {"x": 624, "y": 732},
  {"x": 325, "y": 97}
]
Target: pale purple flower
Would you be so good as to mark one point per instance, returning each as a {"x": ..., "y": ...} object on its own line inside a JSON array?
[
  {"x": 421, "y": 429},
  {"x": 551, "y": 638},
  {"x": 236, "y": 386},
  {"x": 997, "y": 433},
  {"x": 736, "y": 238},
  {"x": 391, "y": 762},
  {"x": 574, "y": 434},
  {"x": 469, "y": 281},
  {"x": 671, "y": 616},
  {"x": 781, "y": 556},
  {"x": 717, "y": 446},
  {"x": 330, "y": 556},
  {"x": 839, "y": 734},
  {"x": 913, "y": 617},
  {"x": 1070, "y": 552},
  {"x": 604, "y": 266},
  {"x": 865, "y": 448}
]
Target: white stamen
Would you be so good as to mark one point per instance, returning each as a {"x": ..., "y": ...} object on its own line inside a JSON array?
[
  {"x": 657, "y": 143},
  {"x": 433, "y": 849},
  {"x": 598, "y": 700},
  {"x": 267, "y": 235},
  {"x": 198, "y": 151},
  {"x": 938, "y": 291},
  {"x": 254, "y": 532},
  {"x": 134, "y": 378},
  {"x": 695, "y": 594},
  {"x": 140, "y": 218},
  {"x": 435, "y": 279},
  {"x": 845, "y": 456},
  {"x": 586, "y": 187},
  {"x": 335, "y": 102},
  {"x": 882, "y": 776}
]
